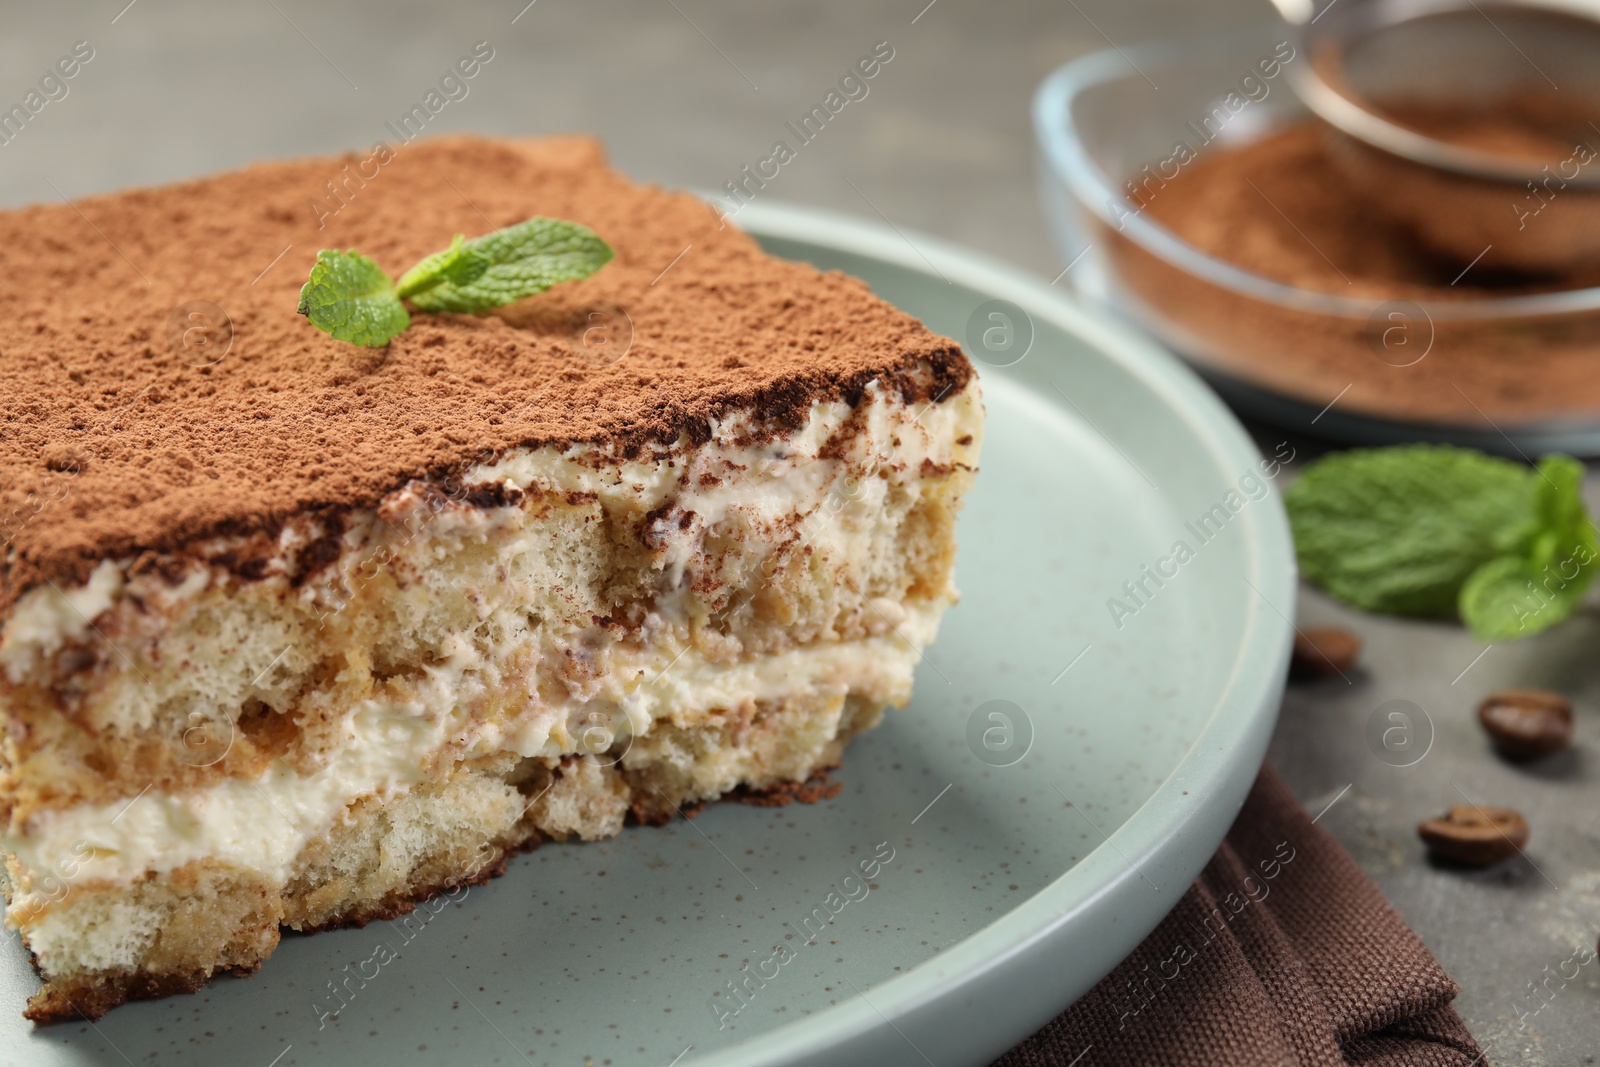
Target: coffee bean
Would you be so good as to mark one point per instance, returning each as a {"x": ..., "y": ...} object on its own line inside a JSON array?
[
  {"x": 1323, "y": 652},
  {"x": 1474, "y": 835},
  {"x": 1527, "y": 723}
]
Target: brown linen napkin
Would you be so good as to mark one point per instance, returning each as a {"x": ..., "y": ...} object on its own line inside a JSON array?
[{"x": 1282, "y": 953}]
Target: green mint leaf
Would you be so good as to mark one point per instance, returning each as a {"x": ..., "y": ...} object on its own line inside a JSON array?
[
  {"x": 1434, "y": 531},
  {"x": 1505, "y": 599},
  {"x": 457, "y": 265},
  {"x": 1518, "y": 595},
  {"x": 1494, "y": 598},
  {"x": 350, "y": 297},
  {"x": 1560, "y": 503},
  {"x": 1399, "y": 530},
  {"x": 524, "y": 259}
]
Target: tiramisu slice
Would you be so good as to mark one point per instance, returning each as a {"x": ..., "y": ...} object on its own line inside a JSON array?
[{"x": 297, "y": 632}]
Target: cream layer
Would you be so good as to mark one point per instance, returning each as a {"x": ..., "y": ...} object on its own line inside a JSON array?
[{"x": 262, "y": 824}]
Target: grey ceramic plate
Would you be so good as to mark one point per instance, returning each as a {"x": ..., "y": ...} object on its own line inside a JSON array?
[{"x": 1042, "y": 724}]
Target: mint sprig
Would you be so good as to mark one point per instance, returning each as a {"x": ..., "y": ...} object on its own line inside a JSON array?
[
  {"x": 350, "y": 297},
  {"x": 1433, "y": 531},
  {"x": 518, "y": 261},
  {"x": 1519, "y": 594},
  {"x": 458, "y": 264}
]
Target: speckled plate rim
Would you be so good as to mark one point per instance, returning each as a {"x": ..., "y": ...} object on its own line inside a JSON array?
[{"x": 982, "y": 995}]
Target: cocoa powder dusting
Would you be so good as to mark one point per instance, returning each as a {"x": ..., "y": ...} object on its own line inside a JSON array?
[{"x": 115, "y": 439}]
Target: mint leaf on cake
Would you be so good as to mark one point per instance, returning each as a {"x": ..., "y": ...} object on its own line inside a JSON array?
[
  {"x": 522, "y": 260},
  {"x": 457, "y": 264},
  {"x": 1436, "y": 532},
  {"x": 351, "y": 298}
]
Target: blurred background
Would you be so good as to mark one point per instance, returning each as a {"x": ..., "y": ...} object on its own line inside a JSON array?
[{"x": 684, "y": 92}]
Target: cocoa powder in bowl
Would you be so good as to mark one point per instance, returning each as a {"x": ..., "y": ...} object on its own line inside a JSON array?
[
  {"x": 1279, "y": 209},
  {"x": 1539, "y": 128},
  {"x": 1545, "y": 222}
]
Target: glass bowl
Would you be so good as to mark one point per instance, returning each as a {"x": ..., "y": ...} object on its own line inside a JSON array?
[{"x": 1515, "y": 374}]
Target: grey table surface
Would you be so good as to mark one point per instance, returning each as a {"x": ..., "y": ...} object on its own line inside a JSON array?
[{"x": 686, "y": 93}]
